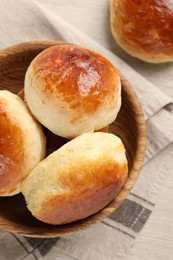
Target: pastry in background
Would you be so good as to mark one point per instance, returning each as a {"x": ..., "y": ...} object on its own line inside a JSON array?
[
  {"x": 144, "y": 28},
  {"x": 77, "y": 180},
  {"x": 72, "y": 90},
  {"x": 22, "y": 143}
]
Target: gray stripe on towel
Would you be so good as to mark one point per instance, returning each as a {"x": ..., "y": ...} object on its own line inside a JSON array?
[{"x": 131, "y": 215}]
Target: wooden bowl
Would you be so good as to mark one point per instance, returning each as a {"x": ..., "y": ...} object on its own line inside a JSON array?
[{"x": 129, "y": 126}]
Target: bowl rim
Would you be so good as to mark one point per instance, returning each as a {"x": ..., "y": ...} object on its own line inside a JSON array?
[{"x": 137, "y": 162}]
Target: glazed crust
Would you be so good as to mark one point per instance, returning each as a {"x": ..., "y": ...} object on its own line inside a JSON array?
[
  {"x": 77, "y": 180},
  {"x": 22, "y": 143},
  {"x": 76, "y": 74},
  {"x": 87, "y": 198},
  {"x": 144, "y": 28},
  {"x": 72, "y": 90},
  {"x": 12, "y": 151}
]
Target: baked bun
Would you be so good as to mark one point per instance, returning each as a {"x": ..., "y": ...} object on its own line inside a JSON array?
[
  {"x": 144, "y": 29},
  {"x": 77, "y": 180},
  {"x": 72, "y": 90},
  {"x": 22, "y": 143}
]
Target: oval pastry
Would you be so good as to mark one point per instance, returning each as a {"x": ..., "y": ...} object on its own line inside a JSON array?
[
  {"x": 77, "y": 180},
  {"x": 22, "y": 143}
]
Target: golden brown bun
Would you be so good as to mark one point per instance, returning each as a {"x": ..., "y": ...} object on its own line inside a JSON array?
[
  {"x": 144, "y": 28},
  {"x": 77, "y": 180},
  {"x": 72, "y": 90},
  {"x": 22, "y": 143}
]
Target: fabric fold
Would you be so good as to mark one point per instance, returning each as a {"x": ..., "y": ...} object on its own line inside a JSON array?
[{"x": 159, "y": 133}]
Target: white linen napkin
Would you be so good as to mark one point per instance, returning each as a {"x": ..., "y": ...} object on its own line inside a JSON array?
[{"x": 112, "y": 238}]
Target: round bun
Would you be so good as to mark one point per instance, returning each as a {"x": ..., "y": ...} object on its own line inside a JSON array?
[
  {"x": 77, "y": 180},
  {"x": 144, "y": 29},
  {"x": 22, "y": 143},
  {"x": 72, "y": 90}
]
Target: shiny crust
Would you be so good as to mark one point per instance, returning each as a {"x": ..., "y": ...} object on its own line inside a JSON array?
[
  {"x": 90, "y": 195},
  {"x": 77, "y": 86},
  {"x": 76, "y": 74},
  {"x": 20, "y": 148},
  {"x": 144, "y": 28},
  {"x": 77, "y": 180},
  {"x": 11, "y": 152}
]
